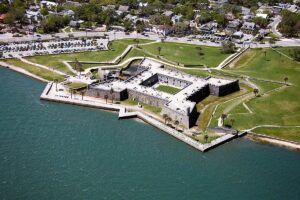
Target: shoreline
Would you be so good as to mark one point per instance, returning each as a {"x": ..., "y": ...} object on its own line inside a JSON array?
[
  {"x": 265, "y": 139},
  {"x": 252, "y": 136},
  {"x": 22, "y": 71}
]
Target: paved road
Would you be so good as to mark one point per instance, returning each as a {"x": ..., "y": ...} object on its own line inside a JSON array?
[
  {"x": 152, "y": 36},
  {"x": 274, "y": 25}
]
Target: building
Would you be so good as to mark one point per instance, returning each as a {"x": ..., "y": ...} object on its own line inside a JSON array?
[
  {"x": 140, "y": 82},
  {"x": 248, "y": 27},
  {"x": 208, "y": 28}
]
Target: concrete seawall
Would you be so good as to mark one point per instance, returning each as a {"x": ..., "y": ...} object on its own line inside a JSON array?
[{"x": 46, "y": 95}]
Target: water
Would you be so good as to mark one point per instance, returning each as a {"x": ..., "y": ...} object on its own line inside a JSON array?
[{"x": 57, "y": 151}]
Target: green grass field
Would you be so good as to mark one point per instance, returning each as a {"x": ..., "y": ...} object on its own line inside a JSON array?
[
  {"x": 43, "y": 73},
  {"x": 188, "y": 54},
  {"x": 168, "y": 89},
  {"x": 274, "y": 106},
  {"x": 76, "y": 85},
  {"x": 284, "y": 133},
  {"x": 148, "y": 107},
  {"x": 55, "y": 61}
]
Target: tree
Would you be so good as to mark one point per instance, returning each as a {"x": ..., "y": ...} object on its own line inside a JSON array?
[
  {"x": 169, "y": 119},
  {"x": 285, "y": 79},
  {"x": 255, "y": 91},
  {"x": 228, "y": 47},
  {"x": 165, "y": 117},
  {"x": 206, "y": 138},
  {"x": 289, "y": 25},
  {"x": 71, "y": 92},
  {"x": 44, "y": 11},
  {"x": 262, "y": 22},
  {"x": 78, "y": 66},
  {"x": 111, "y": 93},
  {"x": 232, "y": 121},
  {"x": 82, "y": 93},
  {"x": 265, "y": 53},
  {"x": 223, "y": 117},
  {"x": 159, "y": 50},
  {"x": 106, "y": 97},
  {"x": 176, "y": 123},
  {"x": 55, "y": 81},
  {"x": 296, "y": 54}
]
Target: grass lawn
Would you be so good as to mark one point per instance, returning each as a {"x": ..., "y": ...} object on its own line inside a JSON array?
[
  {"x": 55, "y": 61},
  {"x": 292, "y": 134},
  {"x": 200, "y": 138},
  {"x": 43, "y": 73},
  {"x": 208, "y": 105},
  {"x": 148, "y": 107},
  {"x": 168, "y": 89},
  {"x": 188, "y": 54},
  {"x": 76, "y": 85},
  {"x": 274, "y": 107}
]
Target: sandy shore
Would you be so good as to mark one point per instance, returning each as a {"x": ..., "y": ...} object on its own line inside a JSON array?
[
  {"x": 278, "y": 142},
  {"x": 23, "y": 71}
]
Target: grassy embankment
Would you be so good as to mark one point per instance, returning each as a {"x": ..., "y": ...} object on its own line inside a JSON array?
[
  {"x": 273, "y": 106},
  {"x": 43, "y": 73}
]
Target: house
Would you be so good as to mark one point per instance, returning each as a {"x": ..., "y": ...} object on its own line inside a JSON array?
[
  {"x": 111, "y": 7},
  {"x": 50, "y": 5},
  {"x": 75, "y": 24},
  {"x": 248, "y": 27},
  {"x": 168, "y": 13},
  {"x": 123, "y": 9},
  {"x": 2, "y": 18},
  {"x": 176, "y": 18},
  {"x": 32, "y": 16},
  {"x": 141, "y": 4},
  {"x": 131, "y": 18},
  {"x": 245, "y": 11},
  {"x": 209, "y": 28},
  {"x": 230, "y": 16},
  {"x": 69, "y": 13},
  {"x": 232, "y": 27},
  {"x": 262, "y": 15},
  {"x": 161, "y": 29},
  {"x": 238, "y": 35}
]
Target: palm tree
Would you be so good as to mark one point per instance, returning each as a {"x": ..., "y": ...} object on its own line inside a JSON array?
[
  {"x": 265, "y": 53},
  {"x": 206, "y": 137},
  {"x": 176, "y": 124},
  {"x": 170, "y": 120},
  {"x": 255, "y": 91},
  {"x": 71, "y": 91},
  {"x": 165, "y": 117},
  {"x": 159, "y": 50},
  {"x": 223, "y": 117},
  {"x": 106, "y": 97},
  {"x": 82, "y": 93},
  {"x": 78, "y": 66},
  {"x": 232, "y": 121},
  {"x": 286, "y": 79},
  {"x": 111, "y": 93},
  {"x": 112, "y": 98},
  {"x": 55, "y": 81}
]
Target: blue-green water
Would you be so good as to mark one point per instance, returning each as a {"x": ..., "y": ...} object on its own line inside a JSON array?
[{"x": 56, "y": 151}]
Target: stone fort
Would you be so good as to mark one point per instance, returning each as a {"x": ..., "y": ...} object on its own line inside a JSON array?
[{"x": 142, "y": 81}]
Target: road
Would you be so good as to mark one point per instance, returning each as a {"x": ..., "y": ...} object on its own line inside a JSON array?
[
  {"x": 274, "y": 25},
  {"x": 151, "y": 36}
]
